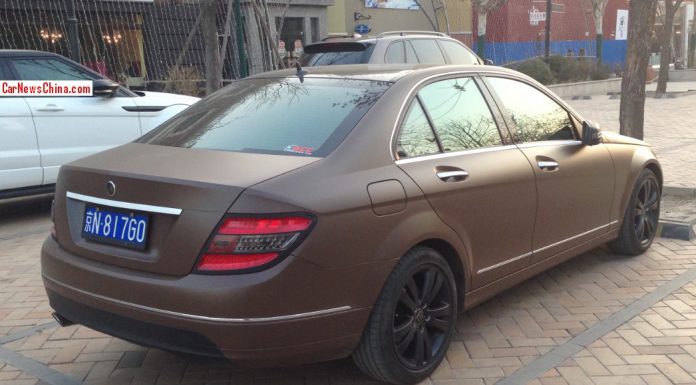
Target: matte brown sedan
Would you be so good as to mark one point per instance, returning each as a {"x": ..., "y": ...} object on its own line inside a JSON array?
[{"x": 292, "y": 218}]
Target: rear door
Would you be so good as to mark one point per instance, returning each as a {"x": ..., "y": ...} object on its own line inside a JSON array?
[
  {"x": 20, "y": 162},
  {"x": 575, "y": 182},
  {"x": 478, "y": 183},
  {"x": 70, "y": 127}
]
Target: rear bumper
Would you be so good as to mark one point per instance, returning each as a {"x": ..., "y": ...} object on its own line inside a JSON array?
[{"x": 123, "y": 304}]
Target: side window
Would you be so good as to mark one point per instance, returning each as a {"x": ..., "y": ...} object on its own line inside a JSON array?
[
  {"x": 537, "y": 117},
  {"x": 416, "y": 137},
  {"x": 457, "y": 53},
  {"x": 395, "y": 53},
  {"x": 428, "y": 51},
  {"x": 460, "y": 114},
  {"x": 49, "y": 69},
  {"x": 411, "y": 57}
]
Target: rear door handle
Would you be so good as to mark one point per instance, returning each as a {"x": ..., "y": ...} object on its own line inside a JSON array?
[
  {"x": 50, "y": 108},
  {"x": 453, "y": 176},
  {"x": 548, "y": 165}
]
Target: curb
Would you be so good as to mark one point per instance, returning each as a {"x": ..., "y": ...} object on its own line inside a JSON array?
[
  {"x": 682, "y": 192},
  {"x": 673, "y": 229}
]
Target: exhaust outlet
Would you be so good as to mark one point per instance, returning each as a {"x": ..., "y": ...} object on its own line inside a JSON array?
[{"x": 62, "y": 321}]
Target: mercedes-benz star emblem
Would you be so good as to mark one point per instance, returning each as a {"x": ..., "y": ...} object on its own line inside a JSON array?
[{"x": 110, "y": 188}]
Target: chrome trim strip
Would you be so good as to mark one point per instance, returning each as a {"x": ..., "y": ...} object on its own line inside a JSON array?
[
  {"x": 456, "y": 153},
  {"x": 497, "y": 265},
  {"x": 124, "y": 205},
  {"x": 549, "y": 143},
  {"x": 204, "y": 318},
  {"x": 572, "y": 238}
]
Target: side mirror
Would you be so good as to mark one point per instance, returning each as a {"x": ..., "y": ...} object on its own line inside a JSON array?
[
  {"x": 488, "y": 62},
  {"x": 591, "y": 134},
  {"x": 104, "y": 87}
]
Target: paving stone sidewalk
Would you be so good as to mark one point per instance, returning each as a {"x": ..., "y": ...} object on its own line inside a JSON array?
[
  {"x": 670, "y": 127},
  {"x": 597, "y": 319},
  {"x": 537, "y": 321}
]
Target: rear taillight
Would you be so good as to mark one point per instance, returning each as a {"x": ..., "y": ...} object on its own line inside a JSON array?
[
  {"x": 246, "y": 242},
  {"x": 54, "y": 233}
]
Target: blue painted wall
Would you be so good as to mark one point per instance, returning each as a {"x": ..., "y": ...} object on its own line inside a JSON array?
[{"x": 614, "y": 52}]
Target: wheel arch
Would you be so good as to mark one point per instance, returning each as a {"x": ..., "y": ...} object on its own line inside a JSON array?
[
  {"x": 629, "y": 162},
  {"x": 454, "y": 261},
  {"x": 640, "y": 164},
  {"x": 654, "y": 167}
]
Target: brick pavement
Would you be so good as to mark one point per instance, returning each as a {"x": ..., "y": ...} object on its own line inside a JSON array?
[
  {"x": 516, "y": 334},
  {"x": 670, "y": 127},
  {"x": 493, "y": 340}
]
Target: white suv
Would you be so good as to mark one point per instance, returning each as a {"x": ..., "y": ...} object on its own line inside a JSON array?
[
  {"x": 397, "y": 47},
  {"x": 39, "y": 134}
]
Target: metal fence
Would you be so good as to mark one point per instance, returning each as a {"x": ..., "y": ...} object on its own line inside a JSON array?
[{"x": 146, "y": 44}]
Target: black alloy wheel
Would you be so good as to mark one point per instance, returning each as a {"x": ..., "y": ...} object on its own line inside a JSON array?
[
  {"x": 639, "y": 226},
  {"x": 422, "y": 318},
  {"x": 412, "y": 321},
  {"x": 647, "y": 211}
]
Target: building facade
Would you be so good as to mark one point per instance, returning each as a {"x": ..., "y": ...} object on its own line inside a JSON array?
[
  {"x": 347, "y": 17},
  {"x": 516, "y": 30},
  {"x": 138, "y": 42}
]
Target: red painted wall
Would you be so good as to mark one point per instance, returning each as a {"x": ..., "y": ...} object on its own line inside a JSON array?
[
  {"x": 609, "y": 26},
  {"x": 510, "y": 23}
]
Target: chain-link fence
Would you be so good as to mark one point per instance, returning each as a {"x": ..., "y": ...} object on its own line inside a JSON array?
[{"x": 153, "y": 44}]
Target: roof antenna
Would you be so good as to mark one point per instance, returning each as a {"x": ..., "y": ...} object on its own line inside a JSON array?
[{"x": 300, "y": 72}]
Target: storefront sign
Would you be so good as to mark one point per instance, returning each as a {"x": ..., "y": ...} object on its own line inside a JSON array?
[
  {"x": 281, "y": 49},
  {"x": 535, "y": 16},
  {"x": 392, "y": 4},
  {"x": 621, "y": 24},
  {"x": 298, "y": 48},
  {"x": 362, "y": 29}
]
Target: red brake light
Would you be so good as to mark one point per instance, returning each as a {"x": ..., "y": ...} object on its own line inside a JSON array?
[
  {"x": 246, "y": 242},
  {"x": 253, "y": 225},
  {"x": 226, "y": 262}
]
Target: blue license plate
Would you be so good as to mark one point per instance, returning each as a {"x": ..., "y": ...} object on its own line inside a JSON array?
[{"x": 120, "y": 228}]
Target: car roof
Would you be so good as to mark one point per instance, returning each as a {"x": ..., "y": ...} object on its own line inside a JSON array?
[
  {"x": 387, "y": 36},
  {"x": 385, "y": 72},
  {"x": 24, "y": 52}
]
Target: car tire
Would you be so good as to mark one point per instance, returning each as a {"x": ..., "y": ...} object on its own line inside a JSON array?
[
  {"x": 410, "y": 328},
  {"x": 639, "y": 225}
]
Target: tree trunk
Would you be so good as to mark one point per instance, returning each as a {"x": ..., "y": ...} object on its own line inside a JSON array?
[
  {"x": 666, "y": 44},
  {"x": 665, "y": 53},
  {"x": 213, "y": 64},
  {"x": 598, "y": 8},
  {"x": 481, "y": 35},
  {"x": 640, "y": 25}
]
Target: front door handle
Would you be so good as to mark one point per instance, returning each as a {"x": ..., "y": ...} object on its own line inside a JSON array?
[
  {"x": 547, "y": 165},
  {"x": 452, "y": 176},
  {"x": 50, "y": 108}
]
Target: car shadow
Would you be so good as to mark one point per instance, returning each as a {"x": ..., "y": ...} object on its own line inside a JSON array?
[{"x": 27, "y": 215}]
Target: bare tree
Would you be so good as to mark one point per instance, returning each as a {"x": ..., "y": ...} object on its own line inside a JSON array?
[
  {"x": 213, "y": 64},
  {"x": 598, "y": 8},
  {"x": 482, "y": 8},
  {"x": 640, "y": 26},
  {"x": 671, "y": 8}
]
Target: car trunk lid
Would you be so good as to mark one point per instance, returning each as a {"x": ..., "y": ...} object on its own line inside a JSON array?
[{"x": 183, "y": 192}]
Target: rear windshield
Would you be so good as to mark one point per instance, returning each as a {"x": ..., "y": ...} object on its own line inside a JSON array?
[
  {"x": 272, "y": 116},
  {"x": 338, "y": 57}
]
